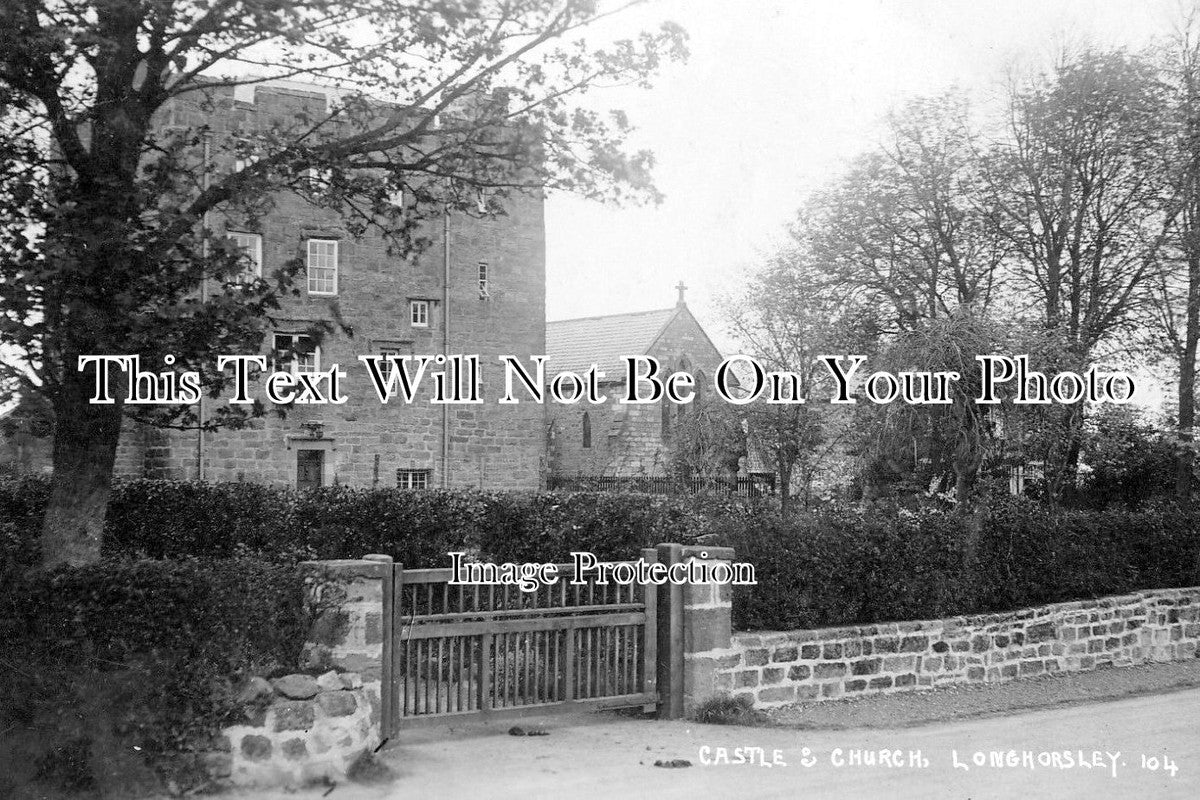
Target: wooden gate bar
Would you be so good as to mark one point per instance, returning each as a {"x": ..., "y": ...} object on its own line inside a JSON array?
[{"x": 456, "y": 654}]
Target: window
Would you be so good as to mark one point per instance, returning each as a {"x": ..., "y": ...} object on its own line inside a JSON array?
[
  {"x": 587, "y": 430},
  {"x": 251, "y": 245},
  {"x": 412, "y": 478},
  {"x": 396, "y": 197},
  {"x": 386, "y": 365},
  {"x": 419, "y": 313},
  {"x": 322, "y": 266},
  {"x": 310, "y": 468},
  {"x": 296, "y": 352},
  {"x": 666, "y": 419},
  {"x": 483, "y": 280},
  {"x": 481, "y": 201}
]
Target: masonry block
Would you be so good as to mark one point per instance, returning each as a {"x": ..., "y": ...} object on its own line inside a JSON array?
[
  {"x": 337, "y": 704},
  {"x": 293, "y": 715},
  {"x": 789, "y": 653},
  {"x": 800, "y": 672},
  {"x": 256, "y": 748}
]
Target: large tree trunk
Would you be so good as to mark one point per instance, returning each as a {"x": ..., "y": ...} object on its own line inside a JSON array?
[{"x": 85, "y": 448}]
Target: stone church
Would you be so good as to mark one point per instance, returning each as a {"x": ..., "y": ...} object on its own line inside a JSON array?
[
  {"x": 613, "y": 439},
  {"x": 479, "y": 289}
]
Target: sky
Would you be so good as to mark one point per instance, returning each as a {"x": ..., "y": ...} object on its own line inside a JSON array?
[{"x": 775, "y": 100}]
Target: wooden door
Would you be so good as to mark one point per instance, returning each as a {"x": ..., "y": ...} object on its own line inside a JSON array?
[{"x": 310, "y": 467}]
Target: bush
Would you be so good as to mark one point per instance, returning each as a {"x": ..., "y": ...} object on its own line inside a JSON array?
[
  {"x": 176, "y": 519},
  {"x": 851, "y": 567},
  {"x": 137, "y": 657},
  {"x": 829, "y": 567},
  {"x": 723, "y": 709}
]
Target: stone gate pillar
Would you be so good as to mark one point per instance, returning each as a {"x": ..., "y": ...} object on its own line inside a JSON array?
[{"x": 694, "y": 631}]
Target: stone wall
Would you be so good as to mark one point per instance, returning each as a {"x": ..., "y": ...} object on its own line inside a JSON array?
[
  {"x": 774, "y": 668},
  {"x": 311, "y": 726},
  {"x": 302, "y": 730}
]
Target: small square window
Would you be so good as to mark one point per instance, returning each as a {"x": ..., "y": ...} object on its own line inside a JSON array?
[
  {"x": 419, "y": 313},
  {"x": 296, "y": 352},
  {"x": 251, "y": 245},
  {"x": 322, "y": 266},
  {"x": 412, "y": 478}
]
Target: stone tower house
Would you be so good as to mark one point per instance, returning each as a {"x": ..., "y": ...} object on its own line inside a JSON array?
[{"x": 492, "y": 304}]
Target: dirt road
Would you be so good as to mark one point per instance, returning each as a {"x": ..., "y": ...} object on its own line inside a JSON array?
[{"x": 1099, "y": 750}]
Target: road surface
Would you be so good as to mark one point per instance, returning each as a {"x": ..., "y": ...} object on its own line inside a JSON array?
[{"x": 1099, "y": 750}]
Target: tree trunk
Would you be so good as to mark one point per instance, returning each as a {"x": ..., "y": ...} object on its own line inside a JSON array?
[
  {"x": 785, "y": 486},
  {"x": 1187, "y": 389},
  {"x": 85, "y": 448}
]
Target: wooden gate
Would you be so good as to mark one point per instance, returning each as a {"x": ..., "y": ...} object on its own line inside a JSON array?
[{"x": 455, "y": 651}]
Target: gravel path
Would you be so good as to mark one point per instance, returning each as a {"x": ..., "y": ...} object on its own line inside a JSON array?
[{"x": 966, "y": 701}]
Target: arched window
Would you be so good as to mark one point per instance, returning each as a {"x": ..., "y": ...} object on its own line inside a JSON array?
[
  {"x": 686, "y": 408},
  {"x": 665, "y": 405},
  {"x": 587, "y": 430}
]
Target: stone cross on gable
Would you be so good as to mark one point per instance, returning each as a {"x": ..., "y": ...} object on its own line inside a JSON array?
[{"x": 681, "y": 287}]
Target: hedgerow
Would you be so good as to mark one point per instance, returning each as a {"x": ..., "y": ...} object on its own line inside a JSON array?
[
  {"x": 848, "y": 566},
  {"x": 137, "y": 661},
  {"x": 176, "y": 519},
  {"x": 828, "y": 567}
]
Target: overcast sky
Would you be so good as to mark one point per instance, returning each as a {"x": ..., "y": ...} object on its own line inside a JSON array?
[{"x": 777, "y": 96}]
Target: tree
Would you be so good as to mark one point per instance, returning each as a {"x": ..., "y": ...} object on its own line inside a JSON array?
[
  {"x": 105, "y": 247},
  {"x": 1177, "y": 283},
  {"x": 707, "y": 442},
  {"x": 906, "y": 227},
  {"x": 1077, "y": 187},
  {"x": 938, "y": 448},
  {"x": 787, "y": 316}
]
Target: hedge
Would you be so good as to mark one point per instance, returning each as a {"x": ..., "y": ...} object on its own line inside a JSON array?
[
  {"x": 119, "y": 672},
  {"x": 174, "y": 519},
  {"x": 846, "y": 567},
  {"x": 830, "y": 567}
]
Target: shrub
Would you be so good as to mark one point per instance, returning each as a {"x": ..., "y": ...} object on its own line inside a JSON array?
[
  {"x": 723, "y": 709},
  {"x": 138, "y": 654},
  {"x": 827, "y": 567},
  {"x": 853, "y": 567},
  {"x": 176, "y": 519}
]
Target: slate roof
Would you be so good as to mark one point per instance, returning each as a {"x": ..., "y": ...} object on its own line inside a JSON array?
[{"x": 576, "y": 344}]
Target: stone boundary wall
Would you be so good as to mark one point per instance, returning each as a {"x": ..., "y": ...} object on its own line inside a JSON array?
[
  {"x": 302, "y": 729},
  {"x": 775, "y": 668},
  {"x": 311, "y": 726}
]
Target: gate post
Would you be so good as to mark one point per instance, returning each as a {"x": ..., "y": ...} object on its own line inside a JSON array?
[
  {"x": 388, "y": 701},
  {"x": 694, "y": 631},
  {"x": 670, "y": 638},
  {"x": 707, "y": 629}
]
